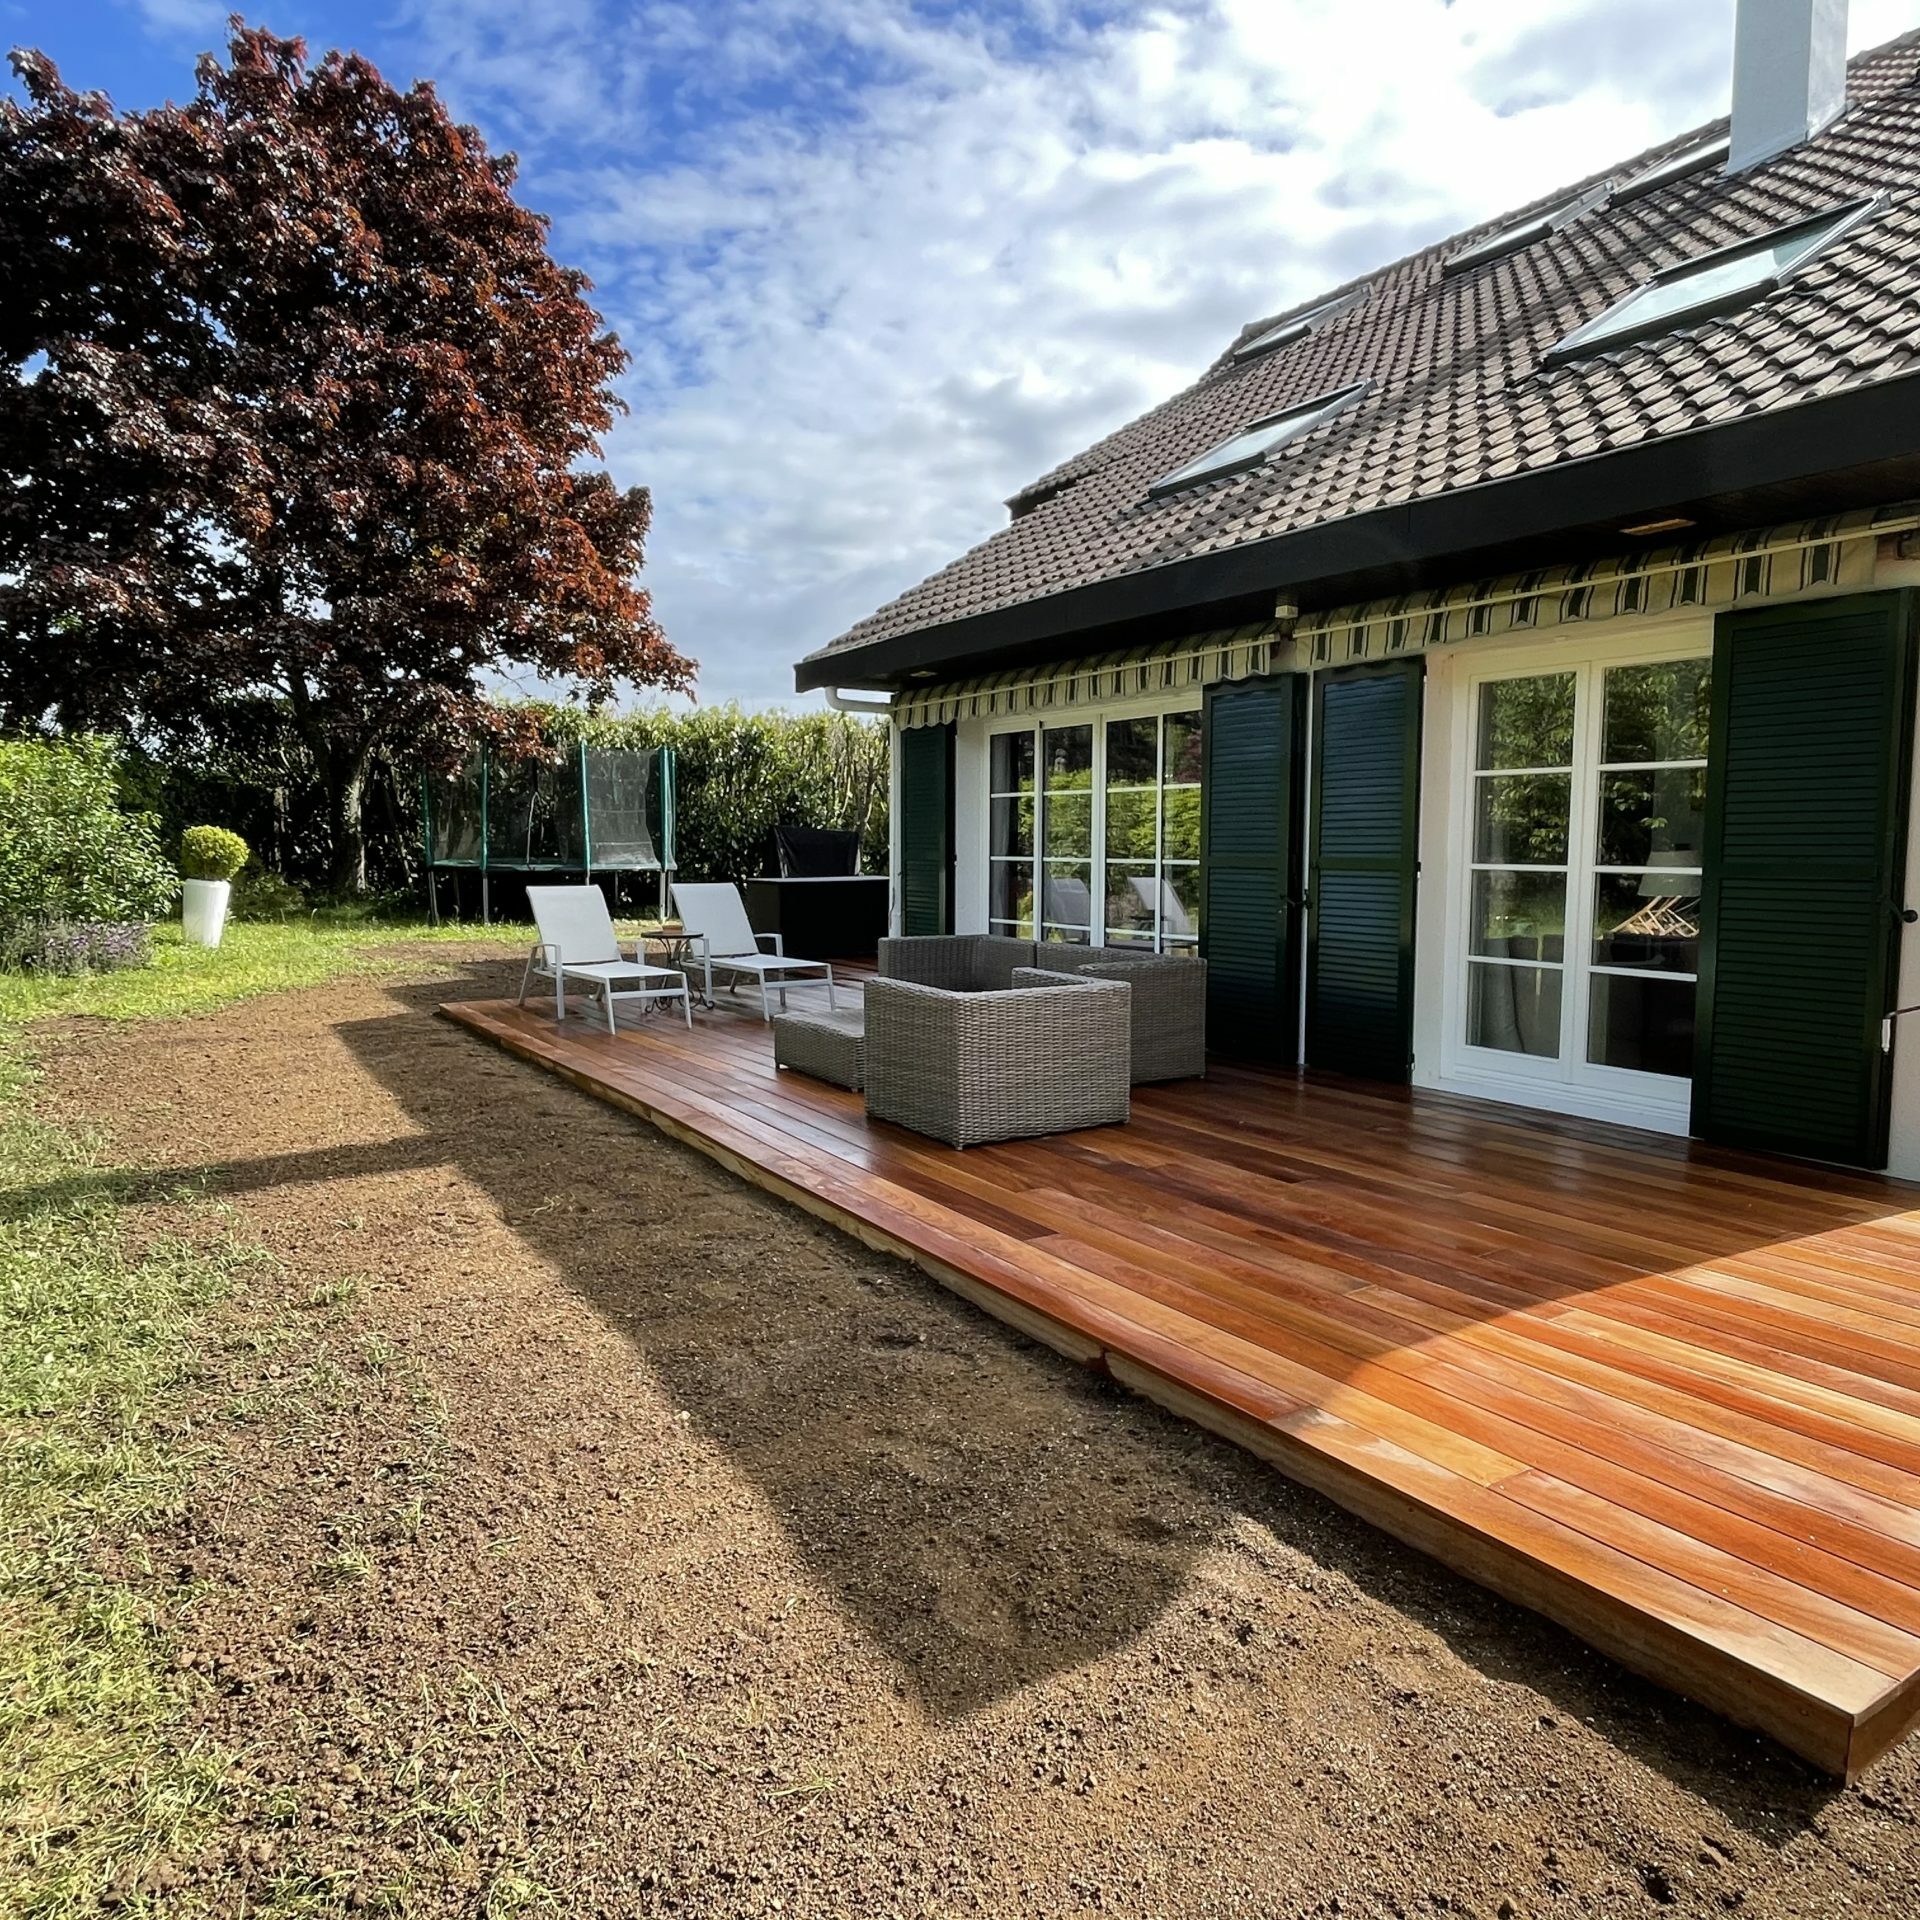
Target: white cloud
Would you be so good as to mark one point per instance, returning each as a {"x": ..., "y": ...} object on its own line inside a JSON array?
[{"x": 878, "y": 269}]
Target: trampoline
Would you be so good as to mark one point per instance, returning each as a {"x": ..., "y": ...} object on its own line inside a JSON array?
[{"x": 597, "y": 811}]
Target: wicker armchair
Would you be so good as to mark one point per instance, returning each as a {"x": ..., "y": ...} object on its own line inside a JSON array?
[
  {"x": 960, "y": 962},
  {"x": 1046, "y": 1056},
  {"x": 1169, "y": 1005}
]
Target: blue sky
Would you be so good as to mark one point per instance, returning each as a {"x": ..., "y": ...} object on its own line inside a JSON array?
[{"x": 880, "y": 263}]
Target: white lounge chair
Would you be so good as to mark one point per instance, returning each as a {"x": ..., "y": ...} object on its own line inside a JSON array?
[
  {"x": 577, "y": 942},
  {"x": 715, "y": 918}
]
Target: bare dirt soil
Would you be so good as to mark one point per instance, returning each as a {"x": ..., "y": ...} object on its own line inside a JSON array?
[{"x": 622, "y": 1542}]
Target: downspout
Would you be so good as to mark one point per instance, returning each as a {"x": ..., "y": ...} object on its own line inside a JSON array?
[{"x": 844, "y": 703}]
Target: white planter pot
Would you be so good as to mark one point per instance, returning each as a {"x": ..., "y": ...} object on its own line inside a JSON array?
[{"x": 203, "y": 910}]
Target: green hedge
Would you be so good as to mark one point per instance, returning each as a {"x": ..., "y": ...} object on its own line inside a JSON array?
[
  {"x": 69, "y": 854},
  {"x": 742, "y": 774}
]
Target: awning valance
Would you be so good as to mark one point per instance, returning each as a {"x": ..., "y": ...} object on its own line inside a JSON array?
[{"x": 1838, "y": 552}]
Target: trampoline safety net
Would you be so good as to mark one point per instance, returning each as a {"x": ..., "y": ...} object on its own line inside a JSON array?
[{"x": 600, "y": 810}]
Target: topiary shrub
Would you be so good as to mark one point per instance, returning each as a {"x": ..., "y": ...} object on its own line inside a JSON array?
[
  {"x": 79, "y": 877},
  {"x": 211, "y": 853}
]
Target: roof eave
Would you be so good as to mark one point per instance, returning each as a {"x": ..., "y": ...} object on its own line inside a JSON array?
[{"x": 1857, "y": 442}]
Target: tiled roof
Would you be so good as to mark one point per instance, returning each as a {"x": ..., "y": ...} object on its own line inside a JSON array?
[{"x": 1459, "y": 393}]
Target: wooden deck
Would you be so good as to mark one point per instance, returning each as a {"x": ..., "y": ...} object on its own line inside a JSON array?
[{"x": 1668, "y": 1397}]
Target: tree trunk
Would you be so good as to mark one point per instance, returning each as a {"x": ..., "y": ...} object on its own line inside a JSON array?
[{"x": 346, "y": 794}]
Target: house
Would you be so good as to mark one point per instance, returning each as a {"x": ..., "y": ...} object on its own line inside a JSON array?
[{"x": 1502, "y": 667}]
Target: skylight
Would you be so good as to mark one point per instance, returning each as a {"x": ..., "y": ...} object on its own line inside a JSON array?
[
  {"x": 1296, "y": 328},
  {"x": 1523, "y": 233},
  {"x": 1676, "y": 166},
  {"x": 1257, "y": 443},
  {"x": 1714, "y": 283}
]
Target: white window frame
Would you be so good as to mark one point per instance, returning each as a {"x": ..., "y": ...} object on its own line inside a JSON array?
[
  {"x": 1160, "y": 709},
  {"x": 1569, "y": 1083}
]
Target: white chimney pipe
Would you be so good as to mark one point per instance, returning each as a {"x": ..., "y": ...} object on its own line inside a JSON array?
[{"x": 1789, "y": 75}]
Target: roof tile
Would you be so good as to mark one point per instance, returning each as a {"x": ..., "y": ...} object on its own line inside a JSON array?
[{"x": 1459, "y": 394}]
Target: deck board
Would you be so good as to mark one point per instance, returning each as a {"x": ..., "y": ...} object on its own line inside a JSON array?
[{"x": 1667, "y": 1395}]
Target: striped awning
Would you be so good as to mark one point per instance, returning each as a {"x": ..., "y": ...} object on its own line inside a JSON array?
[{"x": 1838, "y": 552}]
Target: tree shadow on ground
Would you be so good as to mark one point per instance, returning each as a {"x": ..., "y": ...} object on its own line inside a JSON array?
[{"x": 885, "y": 1420}]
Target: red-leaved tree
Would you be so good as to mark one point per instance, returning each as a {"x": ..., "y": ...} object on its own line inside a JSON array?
[{"x": 303, "y": 405}]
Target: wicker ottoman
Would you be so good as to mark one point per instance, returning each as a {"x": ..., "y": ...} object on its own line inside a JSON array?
[{"x": 826, "y": 1046}]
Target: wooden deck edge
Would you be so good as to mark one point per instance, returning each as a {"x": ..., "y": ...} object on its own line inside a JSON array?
[
  {"x": 1816, "y": 1730},
  {"x": 1820, "y": 1731},
  {"x": 1052, "y": 1333},
  {"x": 1884, "y": 1725}
]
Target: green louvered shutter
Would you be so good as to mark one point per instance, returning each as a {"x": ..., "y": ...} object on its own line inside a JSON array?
[
  {"x": 1806, "y": 847},
  {"x": 1250, "y": 866},
  {"x": 1366, "y": 816},
  {"x": 926, "y": 830}
]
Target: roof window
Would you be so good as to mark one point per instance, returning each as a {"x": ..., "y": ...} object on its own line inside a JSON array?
[
  {"x": 1712, "y": 284},
  {"x": 1253, "y": 445},
  {"x": 1296, "y": 326},
  {"x": 1524, "y": 232},
  {"x": 1676, "y": 166}
]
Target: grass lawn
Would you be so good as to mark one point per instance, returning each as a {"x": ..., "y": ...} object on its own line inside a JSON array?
[
  {"x": 253, "y": 958},
  {"x": 102, "y": 1320}
]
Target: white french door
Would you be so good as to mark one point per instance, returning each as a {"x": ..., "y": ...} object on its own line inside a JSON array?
[{"x": 1576, "y": 923}]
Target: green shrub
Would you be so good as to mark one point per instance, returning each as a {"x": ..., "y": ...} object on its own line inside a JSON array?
[
  {"x": 211, "y": 853},
  {"x": 68, "y": 853},
  {"x": 261, "y": 894}
]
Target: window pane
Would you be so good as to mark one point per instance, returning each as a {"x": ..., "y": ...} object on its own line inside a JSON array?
[
  {"x": 1653, "y": 819},
  {"x": 1010, "y": 897},
  {"x": 1182, "y": 830},
  {"x": 1067, "y": 895},
  {"x": 1519, "y": 916},
  {"x": 1643, "y": 1024},
  {"x": 1526, "y": 723},
  {"x": 1012, "y": 770},
  {"x": 1183, "y": 749},
  {"x": 1647, "y": 920},
  {"x": 1069, "y": 825},
  {"x": 1068, "y": 755},
  {"x": 1130, "y": 826},
  {"x": 1133, "y": 751},
  {"x": 1180, "y": 904},
  {"x": 1656, "y": 712},
  {"x": 1012, "y": 827},
  {"x": 1522, "y": 818},
  {"x": 1133, "y": 899},
  {"x": 1514, "y": 1010}
]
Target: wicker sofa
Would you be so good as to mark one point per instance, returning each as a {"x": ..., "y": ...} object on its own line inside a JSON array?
[
  {"x": 1168, "y": 1009},
  {"x": 1046, "y": 1054},
  {"x": 960, "y": 962}
]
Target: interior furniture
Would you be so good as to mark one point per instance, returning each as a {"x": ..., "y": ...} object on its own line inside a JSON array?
[{"x": 577, "y": 943}]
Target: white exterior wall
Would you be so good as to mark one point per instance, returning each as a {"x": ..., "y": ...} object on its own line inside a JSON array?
[{"x": 1441, "y": 902}]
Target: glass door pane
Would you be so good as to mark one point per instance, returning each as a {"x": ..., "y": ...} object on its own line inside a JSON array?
[
  {"x": 1131, "y": 916},
  {"x": 1180, "y": 834},
  {"x": 1521, "y": 846},
  {"x": 1011, "y": 845},
  {"x": 1643, "y": 959},
  {"x": 1066, "y": 864}
]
